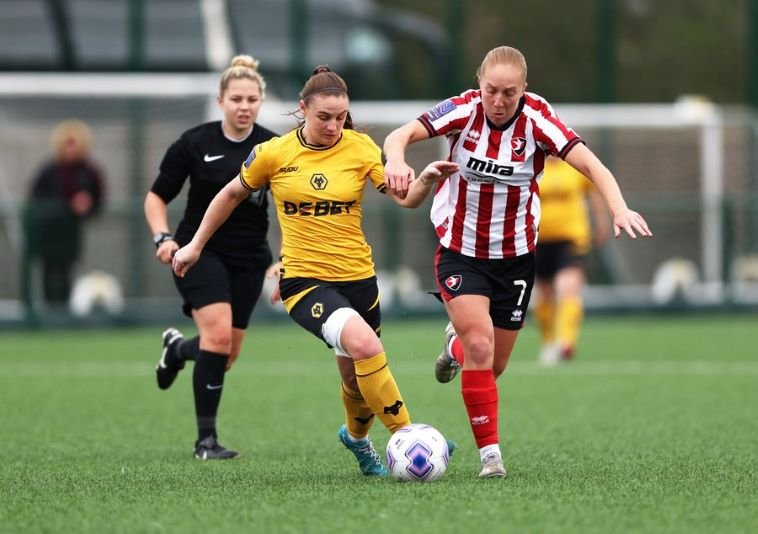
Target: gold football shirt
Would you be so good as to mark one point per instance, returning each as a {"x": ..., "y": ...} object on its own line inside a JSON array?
[
  {"x": 318, "y": 192},
  {"x": 563, "y": 199}
]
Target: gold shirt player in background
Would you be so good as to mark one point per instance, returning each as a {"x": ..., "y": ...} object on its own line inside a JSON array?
[
  {"x": 565, "y": 239},
  {"x": 317, "y": 175}
]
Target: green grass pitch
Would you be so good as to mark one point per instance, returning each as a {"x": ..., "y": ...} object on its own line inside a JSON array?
[{"x": 654, "y": 428}]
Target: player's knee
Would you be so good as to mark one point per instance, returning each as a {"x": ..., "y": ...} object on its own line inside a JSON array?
[
  {"x": 333, "y": 327},
  {"x": 363, "y": 343},
  {"x": 478, "y": 348},
  {"x": 217, "y": 340}
]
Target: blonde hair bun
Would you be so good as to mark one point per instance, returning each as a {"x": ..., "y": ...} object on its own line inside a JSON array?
[
  {"x": 242, "y": 66},
  {"x": 244, "y": 60}
]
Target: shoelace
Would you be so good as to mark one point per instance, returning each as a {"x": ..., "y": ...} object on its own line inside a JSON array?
[
  {"x": 368, "y": 449},
  {"x": 491, "y": 459}
]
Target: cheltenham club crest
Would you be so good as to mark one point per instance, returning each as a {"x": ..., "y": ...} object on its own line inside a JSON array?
[
  {"x": 453, "y": 282},
  {"x": 518, "y": 145}
]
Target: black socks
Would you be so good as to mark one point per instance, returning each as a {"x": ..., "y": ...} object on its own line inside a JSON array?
[
  {"x": 187, "y": 349},
  {"x": 208, "y": 383}
]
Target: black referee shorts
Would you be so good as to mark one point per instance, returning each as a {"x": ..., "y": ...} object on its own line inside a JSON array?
[
  {"x": 506, "y": 282},
  {"x": 213, "y": 280}
]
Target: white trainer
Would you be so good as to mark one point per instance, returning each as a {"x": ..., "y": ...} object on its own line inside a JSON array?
[
  {"x": 446, "y": 366},
  {"x": 492, "y": 467},
  {"x": 550, "y": 355}
]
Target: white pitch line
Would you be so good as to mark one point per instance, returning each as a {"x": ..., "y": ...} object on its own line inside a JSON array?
[{"x": 327, "y": 368}]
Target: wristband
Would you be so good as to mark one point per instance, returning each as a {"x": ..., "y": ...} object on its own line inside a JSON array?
[{"x": 160, "y": 237}]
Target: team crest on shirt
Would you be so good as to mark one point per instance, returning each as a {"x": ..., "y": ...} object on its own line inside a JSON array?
[
  {"x": 319, "y": 181},
  {"x": 440, "y": 110},
  {"x": 518, "y": 145},
  {"x": 453, "y": 282}
]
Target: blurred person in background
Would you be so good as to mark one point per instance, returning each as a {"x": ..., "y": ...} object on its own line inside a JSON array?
[
  {"x": 566, "y": 235},
  {"x": 222, "y": 290},
  {"x": 487, "y": 217},
  {"x": 318, "y": 174},
  {"x": 65, "y": 192}
]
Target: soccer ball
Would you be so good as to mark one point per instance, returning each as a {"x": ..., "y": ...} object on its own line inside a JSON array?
[{"x": 417, "y": 452}]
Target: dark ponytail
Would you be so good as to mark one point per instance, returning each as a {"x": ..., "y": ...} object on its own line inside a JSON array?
[{"x": 325, "y": 81}]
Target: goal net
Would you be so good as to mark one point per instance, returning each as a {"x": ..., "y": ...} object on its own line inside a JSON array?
[{"x": 687, "y": 167}]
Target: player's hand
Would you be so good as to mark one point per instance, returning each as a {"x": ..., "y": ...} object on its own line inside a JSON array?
[
  {"x": 165, "y": 252},
  {"x": 632, "y": 223},
  {"x": 437, "y": 171},
  {"x": 397, "y": 176},
  {"x": 275, "y": 272},
  {"x": 184, "y": 258}
]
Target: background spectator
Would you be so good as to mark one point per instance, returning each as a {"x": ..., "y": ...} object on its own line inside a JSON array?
[{"x": 67, "y": 190}]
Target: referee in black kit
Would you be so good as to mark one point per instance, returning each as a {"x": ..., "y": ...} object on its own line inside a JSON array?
[{"x": 221, "y": 291}]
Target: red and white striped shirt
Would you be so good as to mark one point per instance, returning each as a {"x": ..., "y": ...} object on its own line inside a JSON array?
[{"x": 491, "y": 209}]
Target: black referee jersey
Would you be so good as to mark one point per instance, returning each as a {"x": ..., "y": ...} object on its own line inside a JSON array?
[{"x": 211, "y": 160}]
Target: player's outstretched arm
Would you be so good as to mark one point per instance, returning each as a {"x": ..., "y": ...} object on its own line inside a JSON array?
[
  {"x": 419, "y": 188},
  {"x": 584, "y": 160},
  {"x": 218, "y": 211},
  {"x": 398, "y": 175}
]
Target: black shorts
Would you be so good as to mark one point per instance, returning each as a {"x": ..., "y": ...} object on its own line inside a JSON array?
[
  {"x": 213, "y": 280},
  {"x": 314, "y": 308},
  {"x": 507, "y": 283},
  {"x": 554, "y": 256}
]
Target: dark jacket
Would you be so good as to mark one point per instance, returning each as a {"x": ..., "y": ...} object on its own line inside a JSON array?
[{"x": 53, "y": 229}]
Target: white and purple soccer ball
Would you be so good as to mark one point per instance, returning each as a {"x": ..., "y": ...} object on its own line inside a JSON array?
[{"x": 417, "y": 452}]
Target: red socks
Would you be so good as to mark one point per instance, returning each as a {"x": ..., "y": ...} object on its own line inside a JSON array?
[
  {"x": 456, "y": 349},
  {"x": 481, "y": 399}
]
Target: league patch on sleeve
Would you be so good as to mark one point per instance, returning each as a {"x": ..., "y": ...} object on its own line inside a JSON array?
[
  {"x": 250, "y": 158},
  {"x": 440, "y": 110}
]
